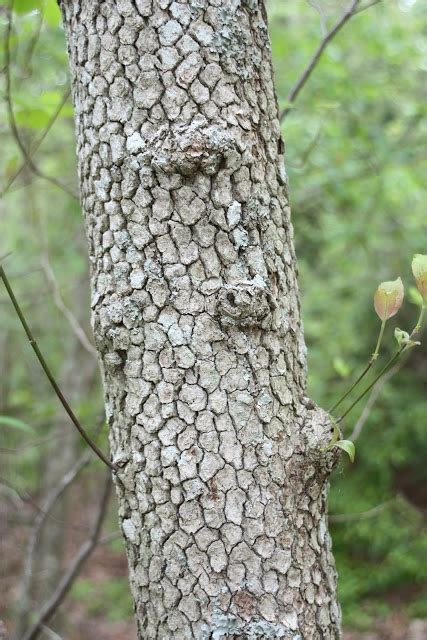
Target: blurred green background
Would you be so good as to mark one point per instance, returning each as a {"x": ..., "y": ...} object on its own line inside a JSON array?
[{"x": 356, "y": 160}]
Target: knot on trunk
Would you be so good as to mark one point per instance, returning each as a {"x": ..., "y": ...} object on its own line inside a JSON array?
[
  {"x": 188, "y": 149},
  {"x": 247, "y": 304},
  {"x": 318, "y": 431}
]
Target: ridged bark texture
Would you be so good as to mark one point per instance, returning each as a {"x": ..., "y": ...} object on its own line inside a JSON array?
[{"x": 222, "y": 482}]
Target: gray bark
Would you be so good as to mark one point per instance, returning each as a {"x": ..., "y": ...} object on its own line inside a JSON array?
[{"x": 222, "y": 487}]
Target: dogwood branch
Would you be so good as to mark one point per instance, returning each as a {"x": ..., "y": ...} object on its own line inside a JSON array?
[
  {"x": 49, "y": 373},
  {"x": 351, "y": 11}
]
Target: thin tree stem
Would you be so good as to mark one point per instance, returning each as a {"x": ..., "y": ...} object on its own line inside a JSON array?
[
  {"x": 348, "y": 13},
  {"x": 11, "y": 114},
  {"x": 363, "y": 394},
  {"x": 34, "y": 147},
  {"x": 364, "y": 372},
  {"x": 352, "y": 10},
  {"x": 420, "y": 321},
  {"x": 40, "y": 520},
  {"x": 380, "y": 337},
  {"x": 49, "y": 374},
  {"x": 350, "y": 389},
  {"x": 387, "y": 366}
]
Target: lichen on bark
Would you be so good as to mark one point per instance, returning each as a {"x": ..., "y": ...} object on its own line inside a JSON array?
[{"x": 222, "y": 484}]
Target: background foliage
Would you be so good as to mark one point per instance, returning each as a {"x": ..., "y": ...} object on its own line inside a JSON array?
[{"x": 355, "y": 155}]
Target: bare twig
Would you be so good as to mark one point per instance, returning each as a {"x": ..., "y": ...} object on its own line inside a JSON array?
[
  {"x": 24, "y": 499},
  {"x": 42, "y": 441},
  {"x": 109, "y": 537},
  {"x": 42, "y": 516},
  {"x": 352, "y": 10},
  {"x": 389, "y": 365},
  {"x": 305, "y": 156},
  {"x": 367, "y": 6},
  {"x": 52, "y": 635},
  {"x": 74, "y": 569},
  {"x": 39, "y": 141},
  {"x": 37, "y": 297},
  {"x": 376, "y": 390},
  {"x": 32, "y": 44},
  {"x": 70, "y": 317},
  {"x": 351, "y": 517},
  {"x": 5, "y": 487},
  {"x": 49, "y": 374},
  {"x": 11, "y": 115}
]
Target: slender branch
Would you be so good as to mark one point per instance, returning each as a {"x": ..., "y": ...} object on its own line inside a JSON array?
[
  {"x": 59, "y": 301},
  {"x": 305, "y": 156},
  {"x": 49, "y": 374},
  {"x": 5, "y": 487},
  {"x": 351, "y": 517},
  {"x": 74, "y": 569},
  {"x": 52, "y": 635},
  {"x": 376, "y": 390},
  {"x": 378, "y": 345},
  {"x": 420, "y": 321},
  {"x": 35, "y": 298},
  {"x": 352, "y": 10},
  {"x": 31, "y": 445},
  {"x": 34, "y": 147},
  {"x": 350, "y": 389},
  {"x": 11, "y": 115},
  {"x": 41, "y": 441},
  {"x": 364, "y": 372},
  {"x": 367, "y": 6},
  {"x": 33, "y": 44},
  {"x": 39, "y": 522},
  {"x": 387, "y": 366},
  {"x": 109, "y": 537}
]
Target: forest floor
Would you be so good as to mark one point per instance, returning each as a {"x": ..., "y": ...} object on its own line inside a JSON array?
[{"x": 99, "y": 604}]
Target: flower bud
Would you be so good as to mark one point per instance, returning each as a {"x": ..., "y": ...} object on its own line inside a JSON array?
[
  {"x": 404, "y": 339},
  {"x": 388, "y": 298},
  {"x": 401, "y": 336},
  {"x": 419, "y": 269}
]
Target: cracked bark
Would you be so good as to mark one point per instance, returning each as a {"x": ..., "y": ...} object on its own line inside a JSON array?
[{"x": 222, "y": 484}]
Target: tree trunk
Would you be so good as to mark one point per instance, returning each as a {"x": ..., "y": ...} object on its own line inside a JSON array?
[{"x": 222, "y": 483}]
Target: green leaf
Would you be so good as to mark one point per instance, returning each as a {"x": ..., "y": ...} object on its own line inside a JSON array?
[
  {"x": 419, "y": 269},
  {"x": 348, "y": 447},
  {"x": 32, "y": 118},
  {"x": 8, "y": 421},
  {"x": 341, "y": 367},
  {"x": 415, "y": 296},
  {"x": 335, "y": 436},
  {"x": 34, "y": 112}
]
